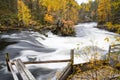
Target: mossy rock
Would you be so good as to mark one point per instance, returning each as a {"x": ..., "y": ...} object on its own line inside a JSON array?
[{"x": 67, "y": 31}]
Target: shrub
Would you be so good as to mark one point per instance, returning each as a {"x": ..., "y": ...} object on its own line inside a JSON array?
[
  {"x": 8, "y": 20},
  {"x": 67, "y": 29},
  {"x": 113, "y": 27}
]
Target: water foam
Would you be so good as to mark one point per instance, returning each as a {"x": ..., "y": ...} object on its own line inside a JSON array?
[{"x": 33, "y": 46}]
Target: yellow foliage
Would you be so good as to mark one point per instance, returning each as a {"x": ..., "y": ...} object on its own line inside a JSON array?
[
  {"x": 118, "y": 39},
  {"x": 87, "y": 7},
  {"x": 104, "y": 9},
  {"x": 107, "y": 39},
  {"x": 63, "y": 9},
  {"x": 23, "y": 12},
  {"x": 116, "y": 4},
  {"x": 49, "y": 8},
  {"x": 109, "y": 25},
  {"x": 48, "y": 18}
]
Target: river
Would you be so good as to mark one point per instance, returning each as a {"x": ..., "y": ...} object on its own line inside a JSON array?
[{"x": 33, "y": 46}]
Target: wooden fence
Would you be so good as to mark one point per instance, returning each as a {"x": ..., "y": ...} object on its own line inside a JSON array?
[
  {"x": 114, "y": 54},
  {"x": 27, "y": 75}
]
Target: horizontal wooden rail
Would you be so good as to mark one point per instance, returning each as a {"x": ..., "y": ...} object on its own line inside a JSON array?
[
  {"x": 115, "y": 45},
  {"x": 42, "y": 62},
  {"x": 114, "y": 49}
]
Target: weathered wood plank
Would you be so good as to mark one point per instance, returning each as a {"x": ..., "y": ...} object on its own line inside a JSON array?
[
  {"x": 12, "y": 71},
  {"x": 22, "y": 73},
  {"x": 115, "y": 45},
  {"x": 28, "y": 73},
  {"x": 72, "y": 56},
  {"x": 68, "y": 70},
  {"x": 65, "y": 72},
  {"x": 41, "y": 62},
  {"x": 114, "y": 49},
  {"x": 7, "y": 60}
]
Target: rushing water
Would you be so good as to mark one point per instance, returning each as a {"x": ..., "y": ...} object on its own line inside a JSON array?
[{"x": 33, "y": 46}]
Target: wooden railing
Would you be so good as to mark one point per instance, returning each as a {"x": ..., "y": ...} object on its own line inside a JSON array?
[
  {"x": 113, "y": 50},
  {"x": 27, "y": 75}
]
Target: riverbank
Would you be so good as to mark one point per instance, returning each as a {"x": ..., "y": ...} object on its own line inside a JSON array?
[
  {"x": 65, "y": 30},
  {"x": 95, "y": 71},
  {"x": 41, "y": 29},
  {"x": 110, "y": 27}
]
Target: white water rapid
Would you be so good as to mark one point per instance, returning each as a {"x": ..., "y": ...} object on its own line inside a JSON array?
[{"x": 33, "y": 46}]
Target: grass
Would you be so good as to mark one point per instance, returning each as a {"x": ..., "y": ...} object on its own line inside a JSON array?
[{"x": 98, "y": 70}]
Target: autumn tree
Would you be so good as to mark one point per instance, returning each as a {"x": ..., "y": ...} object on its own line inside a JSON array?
[
  {"x": 71, "y": 11},
  {"x": 24, "y": 13},
  {"x": 88, "y": 11},
  {"x": 104, "y": 11},
  {"x": 41, "y": 11},
  {"x": 57, "y": 10}
]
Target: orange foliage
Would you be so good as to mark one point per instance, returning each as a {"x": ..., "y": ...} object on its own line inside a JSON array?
[
  {"x": 68, "y": 23},
  {"x": 48, "y": 18},
  {"x": 67, "y": 28}
]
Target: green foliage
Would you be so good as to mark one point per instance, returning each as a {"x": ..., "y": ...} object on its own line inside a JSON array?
[
  {"x": 8, "y": 15},
  {"x": 116, "y": 11},
  {"x": 8, "y": 20},
  {"x": 7, "y": 7}
]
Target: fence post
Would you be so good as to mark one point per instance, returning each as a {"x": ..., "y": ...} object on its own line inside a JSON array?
[
  {"x": 109, "y": 53},
  {"x": 119, "y": 58},
  {"x": 7, "y": 60},
  {"x": 72, "y": 58}
]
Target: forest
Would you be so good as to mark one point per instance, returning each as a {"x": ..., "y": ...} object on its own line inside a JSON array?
[
  {"x": 32, "y": 31},
  {"x": 41, "y": 13}
]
